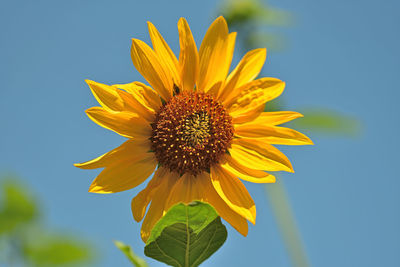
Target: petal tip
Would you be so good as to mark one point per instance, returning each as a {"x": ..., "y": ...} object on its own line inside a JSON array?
[
  {"x": 78, "y": 165},
  {"x": 181, "y": 20},
  {"x": 262, "y": 50},
  {"x": 310, "y": 142},
  {"x": 220, "y": 18},
  {"x": 151, "y": 27},
  {"x": 94, "y": 188},
  {"x": 136, "y": 215},
  {"x": 135, "y": 42},
  {"x": 144, "y": 236},
  {"x": 90, "y": 83},
  {"x": 253, "y": 212},
  {"x": 89, "y": 111},
  {"x": 220, "y": 21}
]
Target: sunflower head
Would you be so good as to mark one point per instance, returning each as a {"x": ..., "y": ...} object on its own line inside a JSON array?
[
  {"x": 196, "y": 128},
  {"x": 191, "y": 132}
]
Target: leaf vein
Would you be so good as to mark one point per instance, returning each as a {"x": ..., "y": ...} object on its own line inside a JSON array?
[
  {"x": 208, "y": 245},
  {"x": 174, "y": 238},
  {"x": 168, "y": 256}
]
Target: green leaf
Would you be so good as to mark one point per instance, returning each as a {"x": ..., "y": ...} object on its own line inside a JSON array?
[
  {"x": 327, "y": 121},
  {"x": 276, "y": 104},
  {"x": 132, "y": 257},
  {"x": 54, "y": 250},
  {"x": 286, "y": 221},
  {"x": 186, "y": 236},
  {"x": 276, "y": 42},
  {"x": 17, "y": 206},
  {"x": 255, "y": 20}
]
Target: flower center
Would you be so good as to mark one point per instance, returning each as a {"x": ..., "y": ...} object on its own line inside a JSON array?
[
  {"x": 191, "y": 132},
  {"x": 196, "y": 128}
]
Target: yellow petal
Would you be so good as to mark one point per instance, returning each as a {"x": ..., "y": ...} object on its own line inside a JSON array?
[
  {"x": 166, "y": 57},
  {"x": 246, "y": 71},
  {"x": 276, "y": 117},
  {"x": 143, "y": 93},
  {"x": 127, "y": 124},
  {"x": 142, "y": 200},
  {"x": 148, "y": 64},
  {"x": 113, "y": 99},
  {"x": 157, "y": 206},
  {"x": 109, "y": 97},
  {"x": 226, "y": 63},
  {"x": 248, "y": 116},
  {"x": 215, "y": 89},
  {"x": 124, "y": 175},
  {"x": 186, "y": 189},
  {"x": 230, "y": 49},
  {"x": 254, "y": 95},
  {"x": 259, "y": 155},
  {"x": 129, "y": 150},
  {"x": 272, "y": 134},
  {"x": 214, "y": 58},
  {"x": 188, "y": 57},
  {"x": 233, "y": 192},
  {"x": 244, "y": 173},
  {"x": 211, "y": 196}
]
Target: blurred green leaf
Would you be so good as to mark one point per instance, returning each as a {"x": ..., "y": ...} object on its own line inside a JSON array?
[
  {"x": 241, "y": 12},
  {"x": 328, "y": 122},
  {"x": 275, "y": 41},
  {"x": 52, "y": 250},
  {"x": 274, "y": 105},
  {"x": 251, "y": 18},
  {"x": 25, "y": 242},
  {"x": 286, "y": 222},
  {"x": 17, "y": 206},
  {"x": 186, "y": 235},
  {"x": 133, "y": 258}
]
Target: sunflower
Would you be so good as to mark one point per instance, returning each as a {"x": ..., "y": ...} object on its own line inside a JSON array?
[{"x": 196, "y": 128}]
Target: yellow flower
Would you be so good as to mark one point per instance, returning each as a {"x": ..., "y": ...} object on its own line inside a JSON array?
[{"x": 197, "y": 127}]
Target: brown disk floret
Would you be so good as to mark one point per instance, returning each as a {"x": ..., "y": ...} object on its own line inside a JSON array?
[{"x": 191, "y": 132}]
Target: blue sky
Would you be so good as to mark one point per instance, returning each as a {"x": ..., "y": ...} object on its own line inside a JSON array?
[{"x": 342, "y": 55}]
